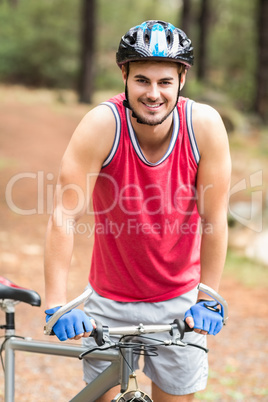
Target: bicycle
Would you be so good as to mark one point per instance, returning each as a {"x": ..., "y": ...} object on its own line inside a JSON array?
[{"x": 119, "y": 353}]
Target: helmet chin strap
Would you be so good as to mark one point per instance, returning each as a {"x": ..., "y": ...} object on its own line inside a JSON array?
[
  {"x": 127, "y": 105},
  {"x": 179, "y": 89},
  {"x": 125, "y": 101}
]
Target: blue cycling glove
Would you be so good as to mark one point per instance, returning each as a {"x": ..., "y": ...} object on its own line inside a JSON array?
[
  {"x": 70, "y": 324},
  {"x": 206, "y": 316}
]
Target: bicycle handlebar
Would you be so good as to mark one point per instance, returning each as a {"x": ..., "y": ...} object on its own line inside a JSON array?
[
  {"x": 176, "y": 330},
  {"x": 140, "y": 329}
]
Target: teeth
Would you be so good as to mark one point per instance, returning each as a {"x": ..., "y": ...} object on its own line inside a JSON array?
[{"x": 154, "y": 105}]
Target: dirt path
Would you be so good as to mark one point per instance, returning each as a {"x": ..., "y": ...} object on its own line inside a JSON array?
[{"x": 34, "y": 131}]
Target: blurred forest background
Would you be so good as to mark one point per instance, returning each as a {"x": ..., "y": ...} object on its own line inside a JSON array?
[
  {"x": 69, "y": 47},
  {"x": 57, "y": 60},
  {"x": 72, "y": 44}
]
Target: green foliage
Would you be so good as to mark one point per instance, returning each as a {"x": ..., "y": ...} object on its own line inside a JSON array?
[
  {"x": 232, "y": 49},
  {"x": 249, "y": 272},
  {"x": 39, "y": 42}
]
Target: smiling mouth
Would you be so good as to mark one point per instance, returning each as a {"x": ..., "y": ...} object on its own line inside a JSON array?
[{"x": 152, "y": 105}]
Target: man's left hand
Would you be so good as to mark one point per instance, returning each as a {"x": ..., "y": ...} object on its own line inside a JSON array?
[{"x": 204, "y": 318}]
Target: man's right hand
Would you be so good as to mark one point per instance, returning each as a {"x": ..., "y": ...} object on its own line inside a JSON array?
[{"x": 74, "y": 324}]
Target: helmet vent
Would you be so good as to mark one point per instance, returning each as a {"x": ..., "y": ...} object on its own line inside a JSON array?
[
  {"x": 146, "y": 38},
  {"x": 168, "y": 36},
  {"x": 131, "y": 39}
]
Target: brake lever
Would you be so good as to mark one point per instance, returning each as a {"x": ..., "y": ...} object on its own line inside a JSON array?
[
  {"x": 218, "y": 298},
  {"x": 183, "y": 327},
  {"x": 64, "y": 309}
]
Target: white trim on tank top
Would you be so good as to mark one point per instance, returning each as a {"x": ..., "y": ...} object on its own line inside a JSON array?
[
  {"x": 117, "y": 133},
  {"x": 136, "y": 145},
  {"x": 135, "y": 142}
]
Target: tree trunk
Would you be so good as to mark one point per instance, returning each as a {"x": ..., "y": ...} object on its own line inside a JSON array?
[
  {"x": 86, "y": 78},
  {"x": 261, "y": 98},
  {"x": 13, "y": 3},
  {"x": 186, "y": 18},
  {"x": 204, "y": 22}
]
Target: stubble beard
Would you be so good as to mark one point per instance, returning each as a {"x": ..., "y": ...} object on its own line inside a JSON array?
[{"x": 143, "y": 120}]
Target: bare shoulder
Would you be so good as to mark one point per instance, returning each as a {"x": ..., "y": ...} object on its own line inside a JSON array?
[
  {"x": 208, "y": 127},
  {"x": 203, "y": 111},
  {"x": 96, "y": 129},
  {"x": 93, "y": 138}
]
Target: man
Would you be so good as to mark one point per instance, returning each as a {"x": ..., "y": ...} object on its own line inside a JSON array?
[{"x": 159, "y": 171}]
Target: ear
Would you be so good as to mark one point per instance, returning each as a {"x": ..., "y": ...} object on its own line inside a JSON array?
[
  {"x": 124, "y": 74},
  {"x": 183, "y": 78}
]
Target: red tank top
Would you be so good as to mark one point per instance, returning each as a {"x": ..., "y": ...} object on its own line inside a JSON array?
[{"x": 147, "y": 235}]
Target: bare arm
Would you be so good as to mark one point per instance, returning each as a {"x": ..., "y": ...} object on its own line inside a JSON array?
[
  {"x": 88, "y": 148},
  {"x": 213, "y": 180}
]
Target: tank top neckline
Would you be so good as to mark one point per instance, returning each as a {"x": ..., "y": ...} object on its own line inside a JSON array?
[{"x": 136, "y": 145}]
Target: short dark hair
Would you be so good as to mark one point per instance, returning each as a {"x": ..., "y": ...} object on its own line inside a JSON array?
[{"x": 181, "y": 67}]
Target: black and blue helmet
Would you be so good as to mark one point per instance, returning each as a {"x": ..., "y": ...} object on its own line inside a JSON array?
[{"x": 155, "y": 40}]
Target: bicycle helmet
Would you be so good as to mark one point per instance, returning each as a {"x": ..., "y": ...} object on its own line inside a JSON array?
[{"x": 155, "y": 39}]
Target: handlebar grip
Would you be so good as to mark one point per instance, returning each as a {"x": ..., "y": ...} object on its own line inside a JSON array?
[
  {"x": 97, "y": 333},
  {"x": 187, "y": 328},
  {"x": 182, "y": 327}
]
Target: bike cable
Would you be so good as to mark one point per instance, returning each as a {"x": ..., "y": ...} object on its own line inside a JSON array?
[{"x": 2, "y": 348}]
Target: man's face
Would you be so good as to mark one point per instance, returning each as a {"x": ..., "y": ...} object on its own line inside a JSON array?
[{"x": 152, "y": 90}]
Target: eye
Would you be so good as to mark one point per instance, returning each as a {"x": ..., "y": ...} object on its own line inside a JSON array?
[
  {"x": 141, "y": 80},
  {"x": 166, "y": 83}
]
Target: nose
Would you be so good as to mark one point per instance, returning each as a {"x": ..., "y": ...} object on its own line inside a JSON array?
[{"x": 153, "y": 92}]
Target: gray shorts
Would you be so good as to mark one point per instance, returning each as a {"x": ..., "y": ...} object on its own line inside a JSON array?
[{"x": 176, "y": 370}]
